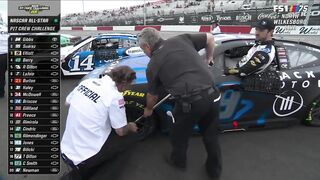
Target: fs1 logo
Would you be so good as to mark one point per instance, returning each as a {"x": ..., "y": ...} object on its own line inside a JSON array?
[
  {"x": 302, "y": 9},
  {"x": 290, "y": 8}
]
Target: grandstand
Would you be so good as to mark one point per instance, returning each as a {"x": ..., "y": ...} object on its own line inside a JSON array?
[{"x": 164, "y": 8}]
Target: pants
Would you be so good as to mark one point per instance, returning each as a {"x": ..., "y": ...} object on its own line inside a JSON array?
[
  {"x": 111, "y": 157},
  {"x": 205, "y": 113},
  {"x": 3, "y": 69}
]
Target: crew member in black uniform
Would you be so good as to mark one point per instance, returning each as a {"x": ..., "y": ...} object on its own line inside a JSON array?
[{"x": 176, "y": 67}]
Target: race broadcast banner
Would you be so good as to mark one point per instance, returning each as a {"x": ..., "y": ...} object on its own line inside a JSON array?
[
  {"x": 297, "y": 30},
  {"x": 281, "y": 17}
]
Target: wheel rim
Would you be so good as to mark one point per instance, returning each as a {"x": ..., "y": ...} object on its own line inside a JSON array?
[{"x": 144, "y": 125}]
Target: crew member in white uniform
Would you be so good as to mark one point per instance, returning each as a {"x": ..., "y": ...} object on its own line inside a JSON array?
[
  {"x": 96, "y": 127},
  {"x": 261, "y": 55},
  {"x": 215, "y": 27},
  {"x": 3, "y": 58}
]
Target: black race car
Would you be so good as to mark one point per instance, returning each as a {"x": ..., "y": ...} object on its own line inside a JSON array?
[{"x": 298, "y": 66}]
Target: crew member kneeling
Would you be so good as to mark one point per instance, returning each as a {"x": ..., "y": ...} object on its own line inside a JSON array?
[{"x": 96, "y": 128}]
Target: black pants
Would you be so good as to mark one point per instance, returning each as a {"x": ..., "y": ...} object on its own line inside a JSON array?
[
  {"x": 112, "y": 158},
  {"x": 3, "y": 69},
  {"x": 205, "y": 113}
]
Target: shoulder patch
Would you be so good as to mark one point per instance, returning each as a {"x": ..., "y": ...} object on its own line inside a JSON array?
[
  {"x": 121, "y": 103},
  {"x": 267, "y": 50}
]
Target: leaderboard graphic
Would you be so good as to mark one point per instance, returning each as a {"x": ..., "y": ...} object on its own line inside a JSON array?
[
  {"x": 34, "y": 99},
  {"x": 33, "y": 87}
]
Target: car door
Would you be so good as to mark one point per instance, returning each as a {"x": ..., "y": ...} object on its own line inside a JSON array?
[
  {"x": 300, "y": 73},
  {"x": 239, "y": 108}
]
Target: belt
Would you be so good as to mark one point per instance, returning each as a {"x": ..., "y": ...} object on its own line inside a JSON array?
[
  {"x": 198, "y": 96},
  {"x": 69, "y": 161}
]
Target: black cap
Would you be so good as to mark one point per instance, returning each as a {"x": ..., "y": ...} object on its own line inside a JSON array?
[
  {"x": 265, "y": 23},
  {"x": 214, "y": 21}
]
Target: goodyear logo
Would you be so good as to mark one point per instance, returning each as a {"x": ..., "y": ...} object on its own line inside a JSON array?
[
  {"x": 133, "y": 93},
  {"x": 34, "y": 8}
]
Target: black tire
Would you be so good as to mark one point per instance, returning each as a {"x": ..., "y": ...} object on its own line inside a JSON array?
[
  {"x": 146, "y": 125},
  {"x": 313, "y": 116}
]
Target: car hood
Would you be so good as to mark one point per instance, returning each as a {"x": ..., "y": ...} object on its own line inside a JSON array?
[{"x": 137, "y": 63}]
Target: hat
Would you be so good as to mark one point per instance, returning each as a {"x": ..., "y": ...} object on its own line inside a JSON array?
[
  {"x": 265, "y": 23},
  {"x": 214, "y": 21}
]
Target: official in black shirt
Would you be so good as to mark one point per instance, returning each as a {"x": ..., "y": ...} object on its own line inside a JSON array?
[{"x": 176, "y": 66}]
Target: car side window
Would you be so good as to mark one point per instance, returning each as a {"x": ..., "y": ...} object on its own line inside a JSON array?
[
  {"x": 127, "y": 43},
  {"x": 234, "y": 55},
  {"x": 86, "y": 47},
  {"x": 302, "y": 57}
]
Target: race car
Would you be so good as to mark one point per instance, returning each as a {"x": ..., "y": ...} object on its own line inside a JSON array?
[
  {"x": 96, "y": 51},
  {"x": 298, "y": 66},
  {"x": 68, "y": 40}
]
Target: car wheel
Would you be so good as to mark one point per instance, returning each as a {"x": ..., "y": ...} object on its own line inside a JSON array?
[
  {"x": 313, "y": 117},
  {"x": 146, "y": 125}
]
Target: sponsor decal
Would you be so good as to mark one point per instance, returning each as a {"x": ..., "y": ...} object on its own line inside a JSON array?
[
  {"x": 134, "y": 51},
  {"x": 304, "y": 77},
  {"x": 160, "y": 19},
  {"x": 194, "y": 19},
  {"x": 224, "y": 18},
  {"x": 150, "y": 20},
  {"x": 284, "y": 66},
  {"x": 181, "y": 20},
  {"x": 284, "y": 29},
  {"x": 290, "y": 16},
  {"x": 287, "y": 103},
  {"x": 207, "y": 18},
  {"x": 272, "y": 15},
  {"x": 139, "y": 21},
  {"x": 290, "y": 21},
  {"x": 136, "y": 104},
  {"x": 244, "y": 17},
  {"x": 305, "y": 30},
  {"x": 165, "y": 19},
  {"x": 133, "y": 93},
  {"x": 127, "y": 22},
  {"x": 298, "y": 30}
]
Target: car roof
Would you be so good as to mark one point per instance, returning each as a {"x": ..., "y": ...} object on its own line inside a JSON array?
[
  {"x": 221, "y": 38},
  {"x": 115, "y": 35}
]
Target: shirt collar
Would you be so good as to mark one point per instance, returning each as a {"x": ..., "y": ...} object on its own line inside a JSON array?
[{"x": 157, "y": 46}]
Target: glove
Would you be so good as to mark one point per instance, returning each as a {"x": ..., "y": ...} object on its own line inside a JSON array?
[{"x": 231, "y": 71}]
